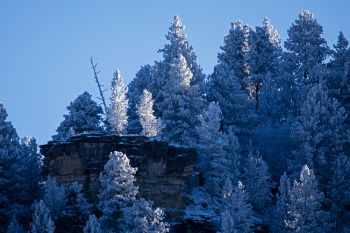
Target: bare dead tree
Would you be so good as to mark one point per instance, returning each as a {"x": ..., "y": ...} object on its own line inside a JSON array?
[{"x": 96, "y": 72}]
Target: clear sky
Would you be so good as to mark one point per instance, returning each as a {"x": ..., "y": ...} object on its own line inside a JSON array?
[{"x": 45, "y": 46}]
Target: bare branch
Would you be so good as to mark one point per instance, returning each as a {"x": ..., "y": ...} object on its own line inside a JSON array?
[{"x": 102, "y": 98}]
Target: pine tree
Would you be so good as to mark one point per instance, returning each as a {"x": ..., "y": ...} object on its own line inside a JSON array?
[
  {"x": 262, "y": 58},
  {"x": 258, "y": 181},
  {"x": 151, "y": 126},
  {"x": 117, "y": 189},
  {"x": 42, "y": 222},
  {"x": 19, "y": 173},
  {"x": 118, "y": 201},
  {"x": 142, "y": 81},
  {"x": 305, "y": 45},
  {"x": 319, "y": 133},
  {"x": 232, "y": 60},
  {"x": 84, "y": 116},
  {"x": 77, "y": 206},
  {"x": 117, "y": 114},
  {"x": 237, "y": 215},
  {"x": 15, "y": 227},
  {"x": 163, "y": 70},
  {"x": 274, "y": 36},
  {"x": 33, "y": 163},
  {"x": 92, "y": 225},
  {"x": 55, "y": 197},
  {"x": 179, "y": 104},
  {"x": 141, "y": 217},
  {"x": 340, "y": 192},
  {"x": 211, "y": 140},
  {"x": 337, "y": 66},
  {"x": 306, "y": 53},
  {"x": 279, "y": 214},
  {"x": 227, "y": 83},
  {"x": 338, "y": 81},
  {"x": 305, "y": 212},
  {"x": 218, "y": 151},
  {"x": 178, "y": 44}
]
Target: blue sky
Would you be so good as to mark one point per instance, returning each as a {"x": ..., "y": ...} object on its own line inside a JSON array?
[{"x": 45, "y": 46}]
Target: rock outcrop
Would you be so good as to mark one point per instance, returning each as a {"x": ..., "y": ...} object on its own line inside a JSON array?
[{"x": 166, "y": 173}]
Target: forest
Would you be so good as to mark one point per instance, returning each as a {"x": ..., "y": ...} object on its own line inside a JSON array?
[{"x": 270, "y": 125}]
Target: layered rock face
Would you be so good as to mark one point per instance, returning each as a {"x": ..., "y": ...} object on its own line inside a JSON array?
[{"x": 166, "y": 173}]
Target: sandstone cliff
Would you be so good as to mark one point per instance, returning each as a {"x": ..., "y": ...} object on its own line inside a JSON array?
[{"x": 166, "y": 173}]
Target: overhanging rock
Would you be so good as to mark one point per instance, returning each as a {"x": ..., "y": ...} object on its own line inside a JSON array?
[{"x": 166, "y": 173}]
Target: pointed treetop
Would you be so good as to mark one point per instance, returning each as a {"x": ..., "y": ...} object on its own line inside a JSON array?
[
  {"x": 274, "y": 36},
  {"x": 176, "y": 31},
  {"x": 342, "y": 43},
  {"x": 306, "y": 15},
  {"x": 117, "y": 78},
  {"x": 236, "y": 25},
  {"x": 306, "y": 173},
  {"x": 180, "y": 73},
  {"x": 3, "y": 113}
]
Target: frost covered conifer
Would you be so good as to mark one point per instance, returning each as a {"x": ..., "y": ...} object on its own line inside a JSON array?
[
  {"x": 236, "y": 217},
  {"x": 141, "y": 82},
  {"x": 92, "y": 225},
  {"x": 141, "y": 217},
  {"x": 258, "y": 181},
  {"x": 274, "y": 36},
  {"x": 77, "y": 206},
  {"x": 161, "y": 71},
  {"x": 227, "y": 83},
  {"x": 42, "y": 222},
  {"x": 55, "y": 197},
  {"x": 117, "y": 114},
  {"x": 319, "y": 133},
  {"x": 179, "y": 105},
  {"x": 262, "y": 57},
  {"x": 339, "y": 77},
  {"x": 232, "y": 59},
  {"x": 340, "y": 192},
  {"x": 178, "y": 44},
  {"x": 211, "y": 147},
  {"x": 218, "y": 150},
  {"x": 305, "y": 46},
  {"x": 209, "y": 130},
  {"x": 19, "y": 173},
  {"x": 117, "y": 181},
  {"x": 305, "y": 212},
  {"x": 120, "y": 207},
  {"x": 84, "y": 115},
  {"x": 151, "y": 126},
  {"x": 338, "y": 66},
  {"x": 117, "y": 189},
  {"x": 279, "y": 215}
]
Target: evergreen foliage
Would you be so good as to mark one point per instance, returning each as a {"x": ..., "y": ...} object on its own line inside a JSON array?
[
  {"x": 151, "y": 126},
  {"x": 319, "y": 133},
  {"x": 19, "y": 173},
  {"x": 42, "y": 222},
  {"x": 117, "y": 114},
  {"x": 279, "y": 215},
  {"x": 122, "y": 211},
  {"x": 141, "y": 82},
  {"x": 305, "y": 212},
  {"x": 55, "y": 197},
  {"x": 84, "y": 115},
  {"x": 237, "y": 215},
  {"x": 258, "y": 181}
]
